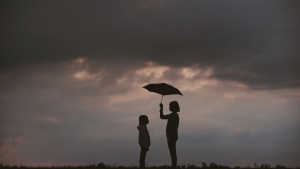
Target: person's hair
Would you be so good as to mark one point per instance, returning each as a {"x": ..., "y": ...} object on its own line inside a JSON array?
[
  {"x": 143, "y": 119},
  {"x": 174, "y": 106}
]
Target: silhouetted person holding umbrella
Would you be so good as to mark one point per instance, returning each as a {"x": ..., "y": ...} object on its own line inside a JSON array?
[
  {"x": 173, "y": 118},
  {"x": 172, "y": 128}
]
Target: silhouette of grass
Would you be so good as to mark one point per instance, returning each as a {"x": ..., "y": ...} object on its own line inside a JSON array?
[{"x": 114, "y": 166}]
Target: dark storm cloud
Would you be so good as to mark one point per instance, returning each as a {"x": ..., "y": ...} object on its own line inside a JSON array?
[{"x": 253, "y": 42}]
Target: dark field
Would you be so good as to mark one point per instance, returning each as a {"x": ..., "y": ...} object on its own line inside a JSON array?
[{"x": 115, "y": 166}]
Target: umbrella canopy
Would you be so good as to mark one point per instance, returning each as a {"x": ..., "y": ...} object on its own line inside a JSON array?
[{"x": 163, "y": 89}]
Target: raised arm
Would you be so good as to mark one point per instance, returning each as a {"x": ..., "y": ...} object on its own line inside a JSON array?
[{"x": 161, "y": 111}]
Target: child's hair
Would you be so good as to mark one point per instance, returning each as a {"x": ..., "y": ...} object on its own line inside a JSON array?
[
  {"x": 175, "y": 106},
  {"x": 143, "y": 119}
]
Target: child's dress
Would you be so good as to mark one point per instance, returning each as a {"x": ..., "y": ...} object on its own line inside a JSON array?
[{"x": 144, "y": 137}]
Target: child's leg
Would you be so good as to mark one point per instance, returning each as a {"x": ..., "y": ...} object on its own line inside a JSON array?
[{"x": 143, "y": 157}]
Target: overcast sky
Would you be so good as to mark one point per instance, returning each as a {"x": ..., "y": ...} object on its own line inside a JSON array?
[{"x": 72, "y": 72}]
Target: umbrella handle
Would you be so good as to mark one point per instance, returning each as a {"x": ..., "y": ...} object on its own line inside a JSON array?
[{"x": 161, "y": 98}]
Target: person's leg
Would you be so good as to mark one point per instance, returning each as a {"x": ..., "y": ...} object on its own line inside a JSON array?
[
  {"x": 143, "y": 157},
  {"x": 172, "y": 149}
]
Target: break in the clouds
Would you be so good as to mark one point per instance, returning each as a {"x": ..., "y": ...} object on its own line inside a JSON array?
[
  {"x": 72, "y": 74},
  {"x": 66, "y": 114}
]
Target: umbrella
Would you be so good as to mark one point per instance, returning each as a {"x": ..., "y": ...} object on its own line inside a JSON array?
[{"x": 163, "y": 89}]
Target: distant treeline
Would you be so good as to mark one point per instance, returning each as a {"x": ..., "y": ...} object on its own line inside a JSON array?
[{"x": 115, "y": 166}]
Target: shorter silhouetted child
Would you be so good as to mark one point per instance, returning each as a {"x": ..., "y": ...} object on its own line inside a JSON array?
[{"x": 144, "y": 138}]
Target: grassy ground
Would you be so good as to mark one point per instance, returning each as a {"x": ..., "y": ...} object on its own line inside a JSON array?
[{"x": 105, "y": 166}]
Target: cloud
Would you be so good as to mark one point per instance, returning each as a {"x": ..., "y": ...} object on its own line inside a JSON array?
[{"x": 257, "y": 48}]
